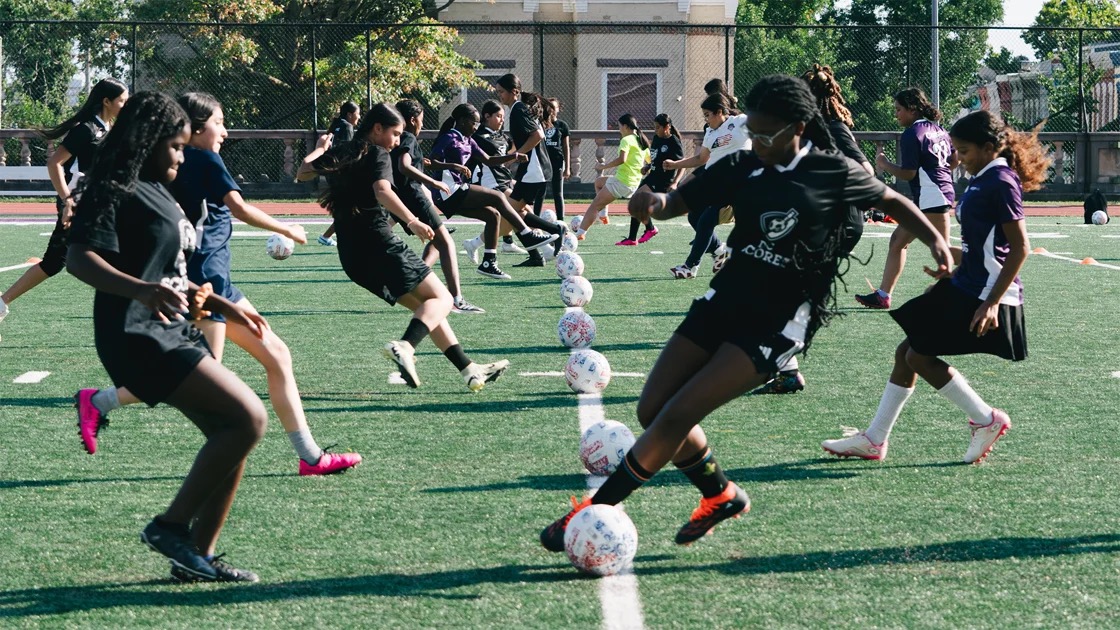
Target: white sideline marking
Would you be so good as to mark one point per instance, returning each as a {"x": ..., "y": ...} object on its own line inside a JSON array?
[
  {"x": 31, "y": 377},
  {"x": 14, "y": 267},
  {"x": 1110, "y": 235},
  {"x": 1074, "y": 260},
  {"x": 657, "y": 253},
  {"x": 618, "y": 594},
  {"x": 613, "y": 374},
  {"x": 1116, "y": 375},
  {"x": 395, "y": 379},
  {"x": 1047, "y": 235}
]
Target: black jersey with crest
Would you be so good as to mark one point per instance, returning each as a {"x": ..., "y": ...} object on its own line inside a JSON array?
[{"x": 781, "y": 213}]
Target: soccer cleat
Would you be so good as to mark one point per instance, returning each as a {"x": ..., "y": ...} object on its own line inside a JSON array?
[
  {"x": 404, "y": 355},
  {"x": 472, "y": 245},
  {"x": 477, "y": 376},
  {"x": 226, "y": 573},
  {"x": 782, "y": 384},
  {"x": 558, "y": 244},
  {"x": 874, "y": 300},
  {"x": 731, "y": 503},
  {"x": 984, "y": 437},
  {"x": 90, "y": 420},
  {"x": 328, "y": 241},
  {"x": 3, "y": 310},
  {"x": 552, "y": 537},
  {"x": 604, "y": 218},
  {"x": 175, "y": 543},
  {"x": 512, "y": 248},
  {"x": 648, "y": 234},
  {"x": 460, "y": 305},
  {"x": 489, "y": 268},
  {"x": 681, "y": 272},
  {"x": 536, "y": 239},
  {"x": 720, "y": 257},
  {"x": 856, "y": 444},
  {"x": 329, "y": 464},
  {"x": 627, "y": 242},
  {"x": 581, "y": 235}
]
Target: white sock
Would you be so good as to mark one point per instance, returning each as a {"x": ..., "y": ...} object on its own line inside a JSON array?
[
  {"x": 489, "y": 251},
  {"x": 603, "y": 212},
  {"x": 305, "y": 446},
  {"x": 882, "y": 293},
  {"x": 961, "y": 394},
  {"x": 526, "y": 231},
  {"x": 581, "y": 232},
  {"x": 890, "y": 406},
  {"x": 789, "y": 366}
]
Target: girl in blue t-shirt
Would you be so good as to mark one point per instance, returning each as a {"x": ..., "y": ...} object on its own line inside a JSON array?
[{"x": 979, "y": 310}]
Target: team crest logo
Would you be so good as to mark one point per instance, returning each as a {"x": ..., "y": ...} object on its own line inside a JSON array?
[
  {"x": 731, "y": 127},
  {"x": 777, "y": 225}
]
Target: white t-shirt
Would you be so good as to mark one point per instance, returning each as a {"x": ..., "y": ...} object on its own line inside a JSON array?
[{"x": 728, "y": 138}]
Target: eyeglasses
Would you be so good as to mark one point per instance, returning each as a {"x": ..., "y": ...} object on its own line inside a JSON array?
[{"x": 766, "y": 140}]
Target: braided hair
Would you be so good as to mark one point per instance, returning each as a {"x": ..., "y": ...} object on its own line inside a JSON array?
[
  {"x": 915, "y": 100},
  {"x": 788, "y": 99},
  {"x": 146, "y": 119},
  {"x": 343, "y": 190},
  {"x": 1022, "y": 150},
  {"x": 826, "y": 90}
]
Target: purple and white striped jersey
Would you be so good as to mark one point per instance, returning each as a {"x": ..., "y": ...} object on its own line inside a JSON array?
[
  {"x": 925, "y": 148},
  {"x": 994, "y": 197}
]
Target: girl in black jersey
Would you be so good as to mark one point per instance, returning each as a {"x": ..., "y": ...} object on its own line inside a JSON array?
[
  {"x": 82, "y": 131},
  {"x": 493, "y": 141},
  {"x": 130, "y": 241},
  {"x": 558, "y": 144},
  {"x": 666, "y": 146},
  {"x": 360, "y": 197},
  {"x": 790, "y": 196}
]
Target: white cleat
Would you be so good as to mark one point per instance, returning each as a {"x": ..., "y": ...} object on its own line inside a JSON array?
[
  {"x": 684, "y": 272},
  {"x": 472, "y": 245},
  {"x": 720, "y": 257},
  {"x": 477, "y": 376},
  {"x": 404, "y": 355},
  {"x": 985, "y": 437},
  {"x": 512, "y": 248},
  {"x": 856, "y": 444}
]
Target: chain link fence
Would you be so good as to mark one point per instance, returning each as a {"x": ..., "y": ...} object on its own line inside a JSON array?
[{"x": 289, "y": 79}]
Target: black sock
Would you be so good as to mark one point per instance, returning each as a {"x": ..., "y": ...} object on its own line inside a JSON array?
[
  {"x": 634, "y": 223},
  {"x": 457, "y": 357},
  {"x": 792, "y": 372},
  {"x": 491, "y": 256},
  {"x": 705, "y": 473},
  {"x": 629, "y": 477},
  {"x": 179, "y": 528},
  {"x": 649, "y": 225},
  {"x": 415, "y": 332},
  {"x": 508, "y": 238},
  {"x": 534, "y": 221}
]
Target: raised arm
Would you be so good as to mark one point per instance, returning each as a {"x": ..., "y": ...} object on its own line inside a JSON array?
[{"x": 256, "y": 217}]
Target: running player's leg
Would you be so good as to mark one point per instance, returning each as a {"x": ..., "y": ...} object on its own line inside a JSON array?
[
  {"x": 896, "y": 260},
  {"x": 872, "y": 443},
  {"x": 603, "y": 197}
]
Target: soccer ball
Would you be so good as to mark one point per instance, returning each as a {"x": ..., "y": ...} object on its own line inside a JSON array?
[
  {"x": 548, "y": 215},
  {"x": 1100, "y": 217},
  {"x": 576, "y": 291},
  {"x": 569, "y": 264},
  {"x": 279, "y": 246},
  {"x": 601, "y": 540},
  {"x": 576, "y": 329},
  {"x": 575, "y": 223},
  {"x": 603, "y": 446},
  {"x": 587, "y": 372},
  {"x": 570, "y": 242}
]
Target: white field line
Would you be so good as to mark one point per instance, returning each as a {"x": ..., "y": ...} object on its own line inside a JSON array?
[
  {"x": 31, "y": 377},
  {"x": 14, "y": 267},
  {"x": 618, "y": 594},
  {"x": 1074, "y": 260},
  {"x": 1116, "y": 374}
]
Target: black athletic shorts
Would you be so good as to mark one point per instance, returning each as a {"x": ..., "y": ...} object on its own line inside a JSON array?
[
  {"x": 419, "y": 205},
  {"x": 528, "y": 193},
  {"x": 937, "y": 209},
  {"x": 54, "y": 258},
  {"x": 387, "y": 269},
  {"x": 145, "y": 366},
  {"x": 710, "y": 324},
  {"x": 450, "y": 206},
  {"x": 936, "y": 324}
]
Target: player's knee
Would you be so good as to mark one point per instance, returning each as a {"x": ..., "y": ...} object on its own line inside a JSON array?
[
  {"x": 647, "y": 411},
  {"x": 52, "y": 265},
  {"x": 900, "y": 353}
]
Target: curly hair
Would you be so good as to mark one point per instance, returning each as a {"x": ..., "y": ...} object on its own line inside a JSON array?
[
  {"x": 342, "y": 192},
  {"x": 1023, "y": 152},
  {"x": 826, "y": 90},
  {"x": 146, "y": 119},
  {"x": 915, "y": 100}
]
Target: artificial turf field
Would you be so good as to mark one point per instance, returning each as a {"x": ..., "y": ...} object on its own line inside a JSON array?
[{"x": 438, "y": 527}]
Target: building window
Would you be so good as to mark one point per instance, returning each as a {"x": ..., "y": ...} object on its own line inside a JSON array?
[{"x": 632, "y": 92}]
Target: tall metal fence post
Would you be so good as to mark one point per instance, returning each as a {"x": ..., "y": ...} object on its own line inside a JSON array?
[
  {"x": 909, "y": 36},
  {"x": 540, "y": 57},
  {"x": 1082, "y": 124},
  {"x": 314, "y": 81},
  {"x": 727, "y": 55},
  {"x": 135, "y": 46},
  {"x": 369, "y": 68}
]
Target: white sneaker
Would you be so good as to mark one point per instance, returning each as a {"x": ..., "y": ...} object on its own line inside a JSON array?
[
  {"x": 404, "y": 355},
  {"x": 472, "y": 245},
  {"x": 984, "y": 437},
  {"x": 512, "y": 248},
  {"x": 460, "y": 305},
  {"x": 681, "y": 272},
  {"x": 719, "y": 258},
  {"x": 477, "y": 376},
  {"x": 328, "y": 241},
  {"x": 3, "y": 310},
  {"x": 855, "y": 444}
]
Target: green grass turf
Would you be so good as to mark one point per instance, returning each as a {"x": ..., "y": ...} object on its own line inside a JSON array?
[{"x": 438, "y": 527}]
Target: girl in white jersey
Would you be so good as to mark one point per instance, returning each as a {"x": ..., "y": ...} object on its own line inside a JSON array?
[{"x": 727, "y": 133}]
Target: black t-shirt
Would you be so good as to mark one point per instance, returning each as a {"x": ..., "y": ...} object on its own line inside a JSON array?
[
  {"x": 147, "y": 237},
  {"x": 522, "y": 124},
  {"x": 846, "y": 142},
  {"x": 343, "y": 131},
  {"x": 406, "y": 185},
  {"x": 494, "y": 143},
  {"x": 554, "y": 142},
  {"x": 779, "y": 212},
  {"x": 662, "y": 149},
  {"x": 360, "y": 221},
  {"x": 81, "y": 142}
]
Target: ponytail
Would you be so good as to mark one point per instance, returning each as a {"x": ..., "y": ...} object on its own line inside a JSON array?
[
  {"x": 532, "y": 102},
  {"x": 631, "y": 122},
  {"x": 816, "y": 131},
  {"x": 665, "y": 121},
  {"x": 461, "y": 111},
  {"x": 1023, "y": 152},
  {"x": 915, "y": 100},
  {"x": 104, "y": 89}
]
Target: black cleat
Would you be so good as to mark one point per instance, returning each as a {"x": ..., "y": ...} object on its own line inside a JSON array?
[
  {"x": 174, "y": 541},
  {"x": 731, "y": 503},
  {"x": 535, "y": 239},
  {"x": 226, "y": 573},
  {"x": 489, "y": 268},
  {"x": 558, "y": 244},
  {"x": 534, "y": 260},
  {"x": 552, "y": 537}
]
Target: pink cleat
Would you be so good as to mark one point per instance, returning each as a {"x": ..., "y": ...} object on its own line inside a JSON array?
[
  {"x": 627, "y": 242},
  {"x": 648, "y": 234},
  {"x": 329, "y": 464},
  {"x": 90, "y": 419}
]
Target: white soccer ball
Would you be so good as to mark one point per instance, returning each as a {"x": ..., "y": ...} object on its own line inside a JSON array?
[
  {"x": 548, "y": 215},
  {"x": 601, "y": 540},
  {"x": 587, "y": 372},
  {"x": 576, "y": 291},
  {"x": 569, "y": 264},
  {"x": 603, "y": 446},
  {"x": 279, "y": 246},
  {"x": 576, "y": 329},
  {"x": 575, "y": 223},
  {"x": 570, "y": 242},
  {"x": 1100, "y": 217}
]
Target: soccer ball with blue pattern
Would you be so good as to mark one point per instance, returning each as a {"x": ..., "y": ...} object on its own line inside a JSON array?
[
  {"x": 587, "y": 372},
  {"x": 601, "y": 540},
  {"x": 603, "y": 446}
]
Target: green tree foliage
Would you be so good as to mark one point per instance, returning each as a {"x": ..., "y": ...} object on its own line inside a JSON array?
[{"x": 1004, "y": 62}]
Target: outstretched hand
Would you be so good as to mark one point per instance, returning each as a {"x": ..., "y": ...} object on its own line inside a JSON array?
[{"x": 943, "y": 257}]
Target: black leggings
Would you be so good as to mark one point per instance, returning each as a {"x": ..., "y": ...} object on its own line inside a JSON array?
[
  {"x": 704, "y": 221},
  {"x": 557, "y": 193}
]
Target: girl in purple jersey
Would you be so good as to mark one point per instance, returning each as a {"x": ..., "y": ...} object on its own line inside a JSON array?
[
  {"x": 979, "y": 310},
  {"x": 926, "y": 160}
]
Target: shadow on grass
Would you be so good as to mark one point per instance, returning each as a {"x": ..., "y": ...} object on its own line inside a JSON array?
[
  {"x": 316, "y": 312},
  {"x": 9, "y": 484},
  {"x": 789, "y": 471},
  {"x": 37, "y": 402},
  {"x": 473, "y": 405},
  {"x": 67, "y": 599},
  {"x": 558, "y": 349}
]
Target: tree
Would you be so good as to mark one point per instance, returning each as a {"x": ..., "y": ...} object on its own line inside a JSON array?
[{"x": 1003, "y": 62}]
